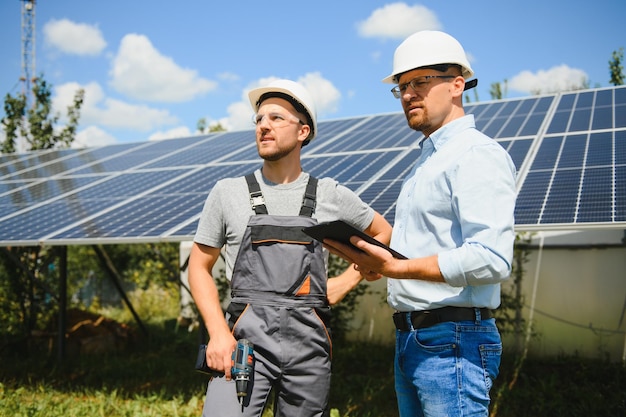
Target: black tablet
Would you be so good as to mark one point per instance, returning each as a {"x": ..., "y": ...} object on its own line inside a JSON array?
[{"x": 341, "y": 231}]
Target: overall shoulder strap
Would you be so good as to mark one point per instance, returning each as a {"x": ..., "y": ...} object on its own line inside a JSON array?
[
  {"x": 308, "y": 202},
  {"x": 256, "y": 197}
]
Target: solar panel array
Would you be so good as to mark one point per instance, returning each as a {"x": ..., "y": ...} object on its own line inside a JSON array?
[{"x": 569, "y": 149}]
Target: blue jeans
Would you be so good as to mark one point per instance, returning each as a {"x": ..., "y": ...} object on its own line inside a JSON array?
[{"x": 447, "y": 369}]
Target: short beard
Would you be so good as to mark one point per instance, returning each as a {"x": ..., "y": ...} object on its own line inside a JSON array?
[
  {"x": 275, "y": 155},
  {"x": 419, "y": 123}
]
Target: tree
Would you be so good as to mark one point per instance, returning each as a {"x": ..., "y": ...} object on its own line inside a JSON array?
[
  {"x": 497, "y": 92},
  {"x": 202, "y": 127},
  {"x": 28, "y": 275},
  {"x": 616, "y": 68},
  {"x": 36, "y": 125}
]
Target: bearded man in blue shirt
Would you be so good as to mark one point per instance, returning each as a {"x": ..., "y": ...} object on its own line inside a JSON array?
[{"x": 454, "y": 221}]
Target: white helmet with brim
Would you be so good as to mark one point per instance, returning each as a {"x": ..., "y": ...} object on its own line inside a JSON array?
[
  {"x": 429, "y": 48},
  {"x": 293, "y": 92}
]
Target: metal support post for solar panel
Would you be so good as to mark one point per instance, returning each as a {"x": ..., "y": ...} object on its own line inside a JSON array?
[
  {"x": 62, "y": 303},
  {"x": 113, "y": 274}
]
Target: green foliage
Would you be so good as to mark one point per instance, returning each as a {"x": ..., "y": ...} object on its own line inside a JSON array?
[
  {"x": 203, "y": 128},
  {"x": 36, "y": 124},
  {"x": 509, "y": 314},
  {"x": 343, "y": 312},
  {"x": 29, "y": 282},
  {"x": 28, "y": 288},
  {"x": 616, "y": 67},
  {"x": 498, "y": 90}
]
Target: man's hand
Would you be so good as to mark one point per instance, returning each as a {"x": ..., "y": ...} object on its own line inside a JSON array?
[
  {"x": 370, "y": 260},
  {"x": 219, "y": 353}
]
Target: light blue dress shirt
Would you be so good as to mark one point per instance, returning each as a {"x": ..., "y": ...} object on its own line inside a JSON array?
[{"x": 458, "y": 203}]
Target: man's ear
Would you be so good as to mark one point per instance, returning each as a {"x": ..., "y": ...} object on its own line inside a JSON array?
[
  {"x": 458, "y": 86},
  {"x": 305, "y": 130}
]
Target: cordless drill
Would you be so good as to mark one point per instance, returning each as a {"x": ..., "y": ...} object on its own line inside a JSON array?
[{"x": 242, "y": 366}]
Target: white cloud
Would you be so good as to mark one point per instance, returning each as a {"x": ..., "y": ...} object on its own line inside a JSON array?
[
  {"x": 92, "y": 136},
  {"x": 397, "y": 21},
  {"x": 141, "y": 72},
  {"x": 97, "y": 109},
  {"x": 177, "y": 132},
  {"x": 73, "y": 38},
  {"x": 324, "y": 93},
  {"x": 239, "y": 115},
  {"x": 555, "y": 79}
]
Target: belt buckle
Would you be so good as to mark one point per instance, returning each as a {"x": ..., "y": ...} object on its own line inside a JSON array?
[{"x": 418, "y": 318}]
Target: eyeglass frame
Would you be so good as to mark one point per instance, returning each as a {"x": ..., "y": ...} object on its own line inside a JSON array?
[
  {"x": 399, "y": 89},
  {"x": 286, "y": 117}
]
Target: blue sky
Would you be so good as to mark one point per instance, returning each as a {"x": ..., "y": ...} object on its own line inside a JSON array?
[{"x": 152, "y": 69}]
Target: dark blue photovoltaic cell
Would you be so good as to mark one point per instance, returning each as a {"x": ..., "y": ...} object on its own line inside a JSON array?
[
  {"x": 531, "y": 197},
  {"x": 209, "y": 149},
  {"x": 511, "y": 127},
  {"x": 518, "y": 150},
  {"x": 353, "y": 169},
  {"x": 503, "y": 116},
  {"x": 581, "y": 119},
  {"x": 548, "y": 153},
  {"x": 126, "y": 185},
  {"x": 203, "y": 180},
  {"x": 596, "y": 199},
  {"x": 382, "y": 196},
  {"x": 151, "y": 216},
  {"x": 537, "y": 116},
  {"x": 377, "y": 132},
  {"x": 573, "y": 152},
  {"x": 43, "y": 220},
  {"x": 561, "y": 203},
  {"x": 620, "y": 107},
  {"x": 45, "y": 190},
  {"x": 42, "y": 166},
  {"x": 620, "y": 193},
  {"x": 562, "y": 116},
  {"x": 603, "y": 110},
  {"x": 187, "y": 230},
  {"x": 600, "y": 151},
  {"x": 10, "y": 186}
]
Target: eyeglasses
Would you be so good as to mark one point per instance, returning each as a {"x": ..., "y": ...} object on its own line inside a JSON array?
[
  {"x": 276, "y": 119},
  {"x": 418, "y": 84}
]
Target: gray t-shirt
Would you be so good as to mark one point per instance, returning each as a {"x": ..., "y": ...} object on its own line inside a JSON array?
[{"x": 227, "y": 209}]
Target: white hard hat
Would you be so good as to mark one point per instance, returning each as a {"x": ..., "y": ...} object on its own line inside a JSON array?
[
  {"x": 292, "y": 92},
  {"x": 426, "y": 48}
]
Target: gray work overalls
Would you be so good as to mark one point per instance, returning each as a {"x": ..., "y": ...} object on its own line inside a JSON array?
[{"x": 279, "y": 304}]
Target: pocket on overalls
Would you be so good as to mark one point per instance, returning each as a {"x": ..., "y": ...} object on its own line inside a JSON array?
[
  {"x": 234, "y": 313},
  {"x": 283, "y": 254}
]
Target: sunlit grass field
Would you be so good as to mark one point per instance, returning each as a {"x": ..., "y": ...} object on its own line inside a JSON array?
[{"x": 155, "y": 377}]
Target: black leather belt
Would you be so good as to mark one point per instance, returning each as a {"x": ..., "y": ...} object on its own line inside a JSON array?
[{"x": 427, "y": 318}]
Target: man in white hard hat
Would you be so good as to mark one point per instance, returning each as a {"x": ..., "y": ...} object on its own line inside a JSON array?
[
  {"x": 454, "y": 220},
  {"x": 279, "y": 285}
]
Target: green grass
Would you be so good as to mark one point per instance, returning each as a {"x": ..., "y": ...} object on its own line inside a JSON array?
[{"x": 156, "y": 378}]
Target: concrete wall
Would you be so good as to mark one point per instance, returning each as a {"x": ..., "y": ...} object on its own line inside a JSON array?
[{"x": 576, "y": 300}]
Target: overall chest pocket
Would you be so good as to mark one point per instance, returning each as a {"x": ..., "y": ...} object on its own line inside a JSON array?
[{"x": 281, "y": 257}]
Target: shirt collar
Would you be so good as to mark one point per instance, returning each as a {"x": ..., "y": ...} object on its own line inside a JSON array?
[{"x": 448, "y": 131}]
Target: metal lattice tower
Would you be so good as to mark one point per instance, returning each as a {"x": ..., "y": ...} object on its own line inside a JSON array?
[{"x": 28, "y": 47}]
